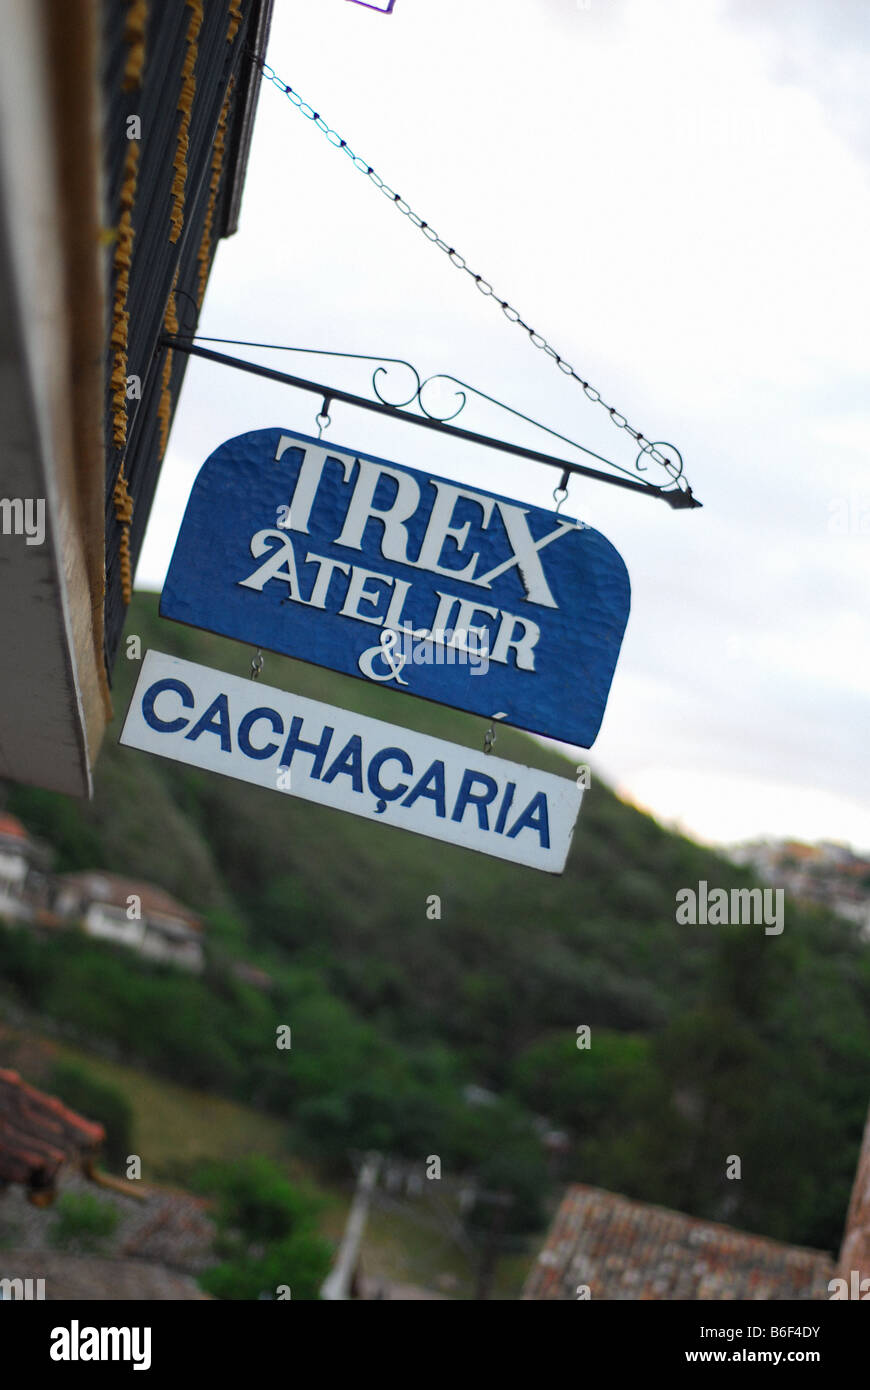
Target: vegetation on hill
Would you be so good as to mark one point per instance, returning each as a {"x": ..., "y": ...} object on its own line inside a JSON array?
[
  {"x": 99, "y": 1101},
  {"x": 706, "y": 1041},
  {"x": 267, "y": 1239}
]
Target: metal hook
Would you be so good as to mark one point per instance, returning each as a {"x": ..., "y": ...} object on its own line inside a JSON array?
[
  {"x": 489, "y": 736},
  {"x": 323, "y": 418},
  {"x": 561, "y": 489},
  {"x": 256, "y": 665}
]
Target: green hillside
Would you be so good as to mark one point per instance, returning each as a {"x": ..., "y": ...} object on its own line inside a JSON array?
[{"x": 707, "y": 1041}]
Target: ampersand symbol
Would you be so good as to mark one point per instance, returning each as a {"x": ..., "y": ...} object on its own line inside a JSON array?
[{"x": 384, "y": 650}]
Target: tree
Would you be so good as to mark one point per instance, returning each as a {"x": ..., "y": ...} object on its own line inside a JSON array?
[
  {"x": 267, "y": 1238},
  {"x": 99, "y": 1101}
]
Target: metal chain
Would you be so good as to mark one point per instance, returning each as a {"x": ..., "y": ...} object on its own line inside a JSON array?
[{"x": 513, "y": 315}]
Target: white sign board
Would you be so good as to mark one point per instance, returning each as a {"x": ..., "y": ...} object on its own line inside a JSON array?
[{"x": 303, "y": 748}]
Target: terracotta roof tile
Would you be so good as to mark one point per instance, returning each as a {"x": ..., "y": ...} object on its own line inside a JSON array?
[
  {"x": 38, "y": 1134},
  {"x": 624, "y": 1249},
  {"x": 12, "y": 828}
]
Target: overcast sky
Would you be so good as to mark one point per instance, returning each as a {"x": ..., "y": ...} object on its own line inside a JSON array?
[{"x": 675, "y": 193}]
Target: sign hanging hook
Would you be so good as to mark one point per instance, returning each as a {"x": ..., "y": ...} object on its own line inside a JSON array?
[
  {"x": 489, "y": 736},
  {"x": 323, "y": 418},
  {"x": 256, "y": 665},
  {"x": 561, "y": 492}
]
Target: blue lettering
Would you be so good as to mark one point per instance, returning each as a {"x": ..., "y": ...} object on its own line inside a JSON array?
[
  {"x": 481, "y": 800},
  {"x": 348, "y": 764},
  {"x": 433, "y": 775},
  {"x": 385, "y": 794},
  {"x": 166, "y": 726},
  {"x": 528, "y": 818},
  {"x": 296, "y": 744},
  {"x": 219, "y": 725},
  {"x": 247, "y": 725}
]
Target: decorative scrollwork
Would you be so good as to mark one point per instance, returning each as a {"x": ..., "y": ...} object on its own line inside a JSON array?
[
  {"x": 395, "y": 361},
  {"x": 461, "y": 394},
  {"x": 673, "y": 461},
  {"x": 463, "y": 391},
  {"x": 666, "y": 456}
]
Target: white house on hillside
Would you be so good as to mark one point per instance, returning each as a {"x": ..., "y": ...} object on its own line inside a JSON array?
[
  {"x": 132, "y": 914},
  {"x": 19, "y": 856}
]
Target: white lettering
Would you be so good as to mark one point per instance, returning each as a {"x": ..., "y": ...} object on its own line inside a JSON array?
[
  {"x": 357, "y": 593},
  {"x": 314, "y": 457},
  {"x": 525, "y": 555},
  {"x": 439, "y": 529},
  {"x": 394, "y": 542},
  {"x": 324, "y": 574},
  {"x": 281, "y": 564},
  {"x": 523, "y": 646}
]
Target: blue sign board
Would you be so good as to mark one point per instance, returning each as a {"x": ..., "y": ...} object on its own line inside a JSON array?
[{"x": 420, "y": 584}]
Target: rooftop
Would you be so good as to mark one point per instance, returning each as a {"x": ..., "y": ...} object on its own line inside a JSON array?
[
  {"x": 11, "y": 828},
  {"x": 96, "y": 885},
  {"x": 38, "y": 1134},
  {"x": 624, "y": 1249}
]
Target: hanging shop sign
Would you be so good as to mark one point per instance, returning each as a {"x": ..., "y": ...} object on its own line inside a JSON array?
[
  {"x": 330, "y": 756},
  {"x": 418, "y": 583}
]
